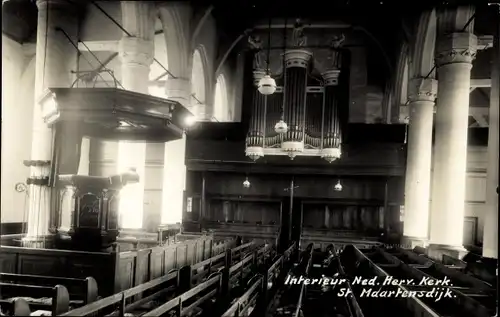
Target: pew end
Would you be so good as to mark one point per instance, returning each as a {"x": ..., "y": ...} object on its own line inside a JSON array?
[
  {"x": 15, "y": 307},
  {"x": 36, "y": 296}
]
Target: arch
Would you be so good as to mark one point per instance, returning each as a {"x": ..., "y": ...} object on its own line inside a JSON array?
[
  {"x": 175, "y": 18},
  {"x": 423, "y": 46},
  {"x": 200, "y": 23},
  {"x": 199, "y": 84},
  {"x": 401, "y": 79},
  {"x": 221, "y": 111}
]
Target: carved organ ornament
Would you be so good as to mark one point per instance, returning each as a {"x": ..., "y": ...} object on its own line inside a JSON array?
[{"x": 303, "y": 117}]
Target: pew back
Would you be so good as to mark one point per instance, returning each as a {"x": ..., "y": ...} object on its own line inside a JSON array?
[
  {"x": 418, "y": 307},
  {"x": 15, "y": 307},
  {"x": 55, "y": 299},
  {"x": 259, "y": 286},
  {"x": 162, "y": 285},
  {"x": 84, "y": 290}
]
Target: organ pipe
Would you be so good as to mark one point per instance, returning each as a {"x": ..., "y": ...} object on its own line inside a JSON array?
[
  {"x": 255, "y": 137},
  {"x": 295, "y": 86},
  {"x": 332, "y": 138},
  {"x": 310, "y": 107}
]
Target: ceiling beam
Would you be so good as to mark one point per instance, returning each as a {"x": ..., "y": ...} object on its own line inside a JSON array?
[
  {"x": 480, "y": 83},
  {"x": 479, "y": 111},
  {"x": 482, "y": 122},
  {"x": 99, "y": 46},
  {"x": 290, "y": 25},
  {"x": 484, "y": 42}
]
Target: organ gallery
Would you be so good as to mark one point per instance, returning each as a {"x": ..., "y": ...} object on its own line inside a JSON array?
[{"x": 186, "y": 159}]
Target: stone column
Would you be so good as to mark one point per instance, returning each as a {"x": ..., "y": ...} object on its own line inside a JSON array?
[
  {"x": 174, "y": 174},
  {"x": 136, "y": 53},
  {"x": 179, "y": 89},
  {"x": 455, "y": 51},
  {"x": 422, "y": 94},
  {"x": 176, "y": 18},
  {"x": 490, "y": 230},
  {"x": 54, "y": 58},
  {"x": 136, "y": 57}
]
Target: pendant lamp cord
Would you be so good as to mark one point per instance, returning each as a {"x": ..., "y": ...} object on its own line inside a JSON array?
[
  {"x": 283, "y": 70},
  {"x": 268, "y": 61}
]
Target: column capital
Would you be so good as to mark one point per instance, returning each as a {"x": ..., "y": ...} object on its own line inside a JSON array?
[
  {"x": 134, "y": 50},
  {"x": 458, "y": 47},
  {"x": 45, "y": 4},
  {"x": 331, "y": 77},
  {"x": 422, "y": 89},
  {"x": 179, "y": 89},
  {"x": 297, "y": 58},
  {"x": 177, "y": 84}
]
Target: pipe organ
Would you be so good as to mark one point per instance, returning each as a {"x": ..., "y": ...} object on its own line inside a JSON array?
[{"x": 309, "y": 104}]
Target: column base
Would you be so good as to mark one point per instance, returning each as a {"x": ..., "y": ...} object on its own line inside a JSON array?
[
  {"x": 412, "y": 242},
  {"x": 490, "y": 253},
  {"x": 38, "y": 242},
  {"x": 436, "y": 251}
]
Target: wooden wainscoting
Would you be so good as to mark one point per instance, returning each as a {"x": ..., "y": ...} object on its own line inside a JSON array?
[{"x": 470, "y": 230}]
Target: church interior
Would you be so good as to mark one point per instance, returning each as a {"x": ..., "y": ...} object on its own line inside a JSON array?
[{"x": 189, "y": 158}]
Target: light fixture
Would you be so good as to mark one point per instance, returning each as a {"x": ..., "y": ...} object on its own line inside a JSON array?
[
  {"x": 254, "y": 152},
  {"x": 281, "y": 127},
  {"x": 189, "y": 120},
  {"x": 338, "y": 187},
  {"x": 331, "y": 154},
  {"x": 20, "y": 187},
  {"x": 292, "y": 148},
  {"x": 267, "y": 85},
  {"x": 246, "y": 183}
]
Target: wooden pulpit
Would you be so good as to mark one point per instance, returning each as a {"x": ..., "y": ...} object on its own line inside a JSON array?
[{"x": 89, "y": 210}]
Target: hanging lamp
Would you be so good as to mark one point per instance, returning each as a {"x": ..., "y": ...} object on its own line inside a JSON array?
[
  {"x": 267, "y": 85},
  {"x": 281, "y": 127}
]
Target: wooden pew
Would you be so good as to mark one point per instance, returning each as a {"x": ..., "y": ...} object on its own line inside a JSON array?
[
  {"x": 81, "y": 291},
  {"x": 454, "y": 263},
  {"x": 245, "y": 305},
  {"x": 257, "y": 293},
  {"x": 114, "y": 271},
  {"x": 189, "y": 301},
  {"x": 351, "y": 301},
  {"x": 218, "y": 286},
  {"x": 15, "y": 307},
  {"x": 121, "y": 303},
  {"x": 303, "y": 287},
  {"x": 158, "y": 289},
  {"x": 241, "y": 251},
  {"x": 203, "y": 269},
  {"x": 414, "y": 305},
  {"x": 54, "y": 299},
  {"x": 471, "y": 296}
]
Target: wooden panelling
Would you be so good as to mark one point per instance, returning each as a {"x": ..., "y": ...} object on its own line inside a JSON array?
[
  {"x": 125, "y": 271},
  {"x": 470, "y": 230},
  {"x": 11, "y": 227},
  {"x": 61, "y": 263},
  {"x": 156, "y": 262},
  {"x": 113, "y": 272},
  {"x": 366, "y": 159},
  {"x": 252, "y": 212},
  {"x": 312, "y": 187}
]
